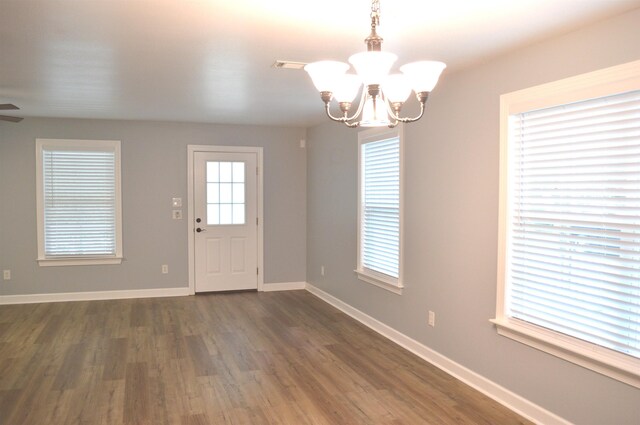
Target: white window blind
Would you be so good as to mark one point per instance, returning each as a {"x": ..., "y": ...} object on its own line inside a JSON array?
[
  {"x": 380, "y": 209},
  {"x": 79, "y": 212},
  {"x": 573, "y": 263}
]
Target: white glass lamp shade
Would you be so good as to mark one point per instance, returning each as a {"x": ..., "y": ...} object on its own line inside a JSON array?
[
  {"x": 396, "y": 88},
  {"x": 372, "y": 67},
  {"x": 374, "y": 117},
  {"x": 423, "y": 75},
  {"x": 325, "y": 74},
  {"x": 346, "y": 87}
]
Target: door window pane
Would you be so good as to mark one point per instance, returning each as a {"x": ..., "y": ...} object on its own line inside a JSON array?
[
  {"x": 213, "y": 214},
  {"x": 213, "y": 193},
  {"x": 225, "y": 214},
  {"x": 225, "y": 172},
  {"x": 213, "y": 171},
  {"x": 225, "y": 193},
  {"x": 238, "y": 172},
  {"x": 238, "y": 193}
]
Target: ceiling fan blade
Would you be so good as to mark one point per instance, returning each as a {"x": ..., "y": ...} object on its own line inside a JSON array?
[
  {"x": 8, "y": 107},
  {"x": 12, "y": 119}
]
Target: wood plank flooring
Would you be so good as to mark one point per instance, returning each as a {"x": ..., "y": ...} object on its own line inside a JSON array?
[{"x": 237, "y": 358}]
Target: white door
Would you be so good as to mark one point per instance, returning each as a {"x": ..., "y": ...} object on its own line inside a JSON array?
[{"x": 225, "y": 215}]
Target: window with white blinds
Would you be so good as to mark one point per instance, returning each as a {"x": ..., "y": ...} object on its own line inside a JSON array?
[
  {"x": 572, "y": 233},
  {"x": 380, "y": 207},
  {"x": 79, "y": 202},
  {"x": 575, "y": 236}
]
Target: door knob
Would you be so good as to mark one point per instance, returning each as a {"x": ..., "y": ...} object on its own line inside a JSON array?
[
  {"x": 200, "y": 230},
  {"x": 198, "y": 220}
]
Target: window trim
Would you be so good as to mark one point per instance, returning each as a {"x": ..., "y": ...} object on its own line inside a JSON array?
[
  {"x": 595, "y": 84},
  {"x": 43, "y": 259},
  {"x": 363, "y": 273}
]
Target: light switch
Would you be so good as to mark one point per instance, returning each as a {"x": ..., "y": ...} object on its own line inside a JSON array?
[
  {"x": 177, "y": 214},
  {"x": 176, "y": 202}
]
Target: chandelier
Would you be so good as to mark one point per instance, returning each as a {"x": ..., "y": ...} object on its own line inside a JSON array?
[{"x": 383, "y": 95}]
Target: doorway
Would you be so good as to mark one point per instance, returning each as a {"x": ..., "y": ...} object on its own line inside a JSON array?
[{"x": 225, "y": 218}]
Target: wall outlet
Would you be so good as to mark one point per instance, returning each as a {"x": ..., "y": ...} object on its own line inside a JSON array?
[
  {"x": 432, "y": 318},
  {"x": 321, "y": 270},
  {"x": 165, "y": 268},
  {"x": 177, "y": 214},
  {"x": 6, "y": 274}
]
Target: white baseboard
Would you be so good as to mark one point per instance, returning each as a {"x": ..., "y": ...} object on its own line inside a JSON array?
[
  {"x": 518, "y": 404},
  {"x": 283, "y": 286},
  {"x": 91, "y": 296},
  {"x": 134, "y": 293}
]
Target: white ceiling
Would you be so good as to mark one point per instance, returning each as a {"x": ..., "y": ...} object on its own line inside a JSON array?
[{"x": 210, "y": 60}]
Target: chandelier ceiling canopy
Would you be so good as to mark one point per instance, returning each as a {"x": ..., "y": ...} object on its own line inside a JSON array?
[{"x": 383, "y": 94}]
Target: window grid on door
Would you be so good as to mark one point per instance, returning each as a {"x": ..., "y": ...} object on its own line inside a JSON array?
[{"x": 225, "y": 193}]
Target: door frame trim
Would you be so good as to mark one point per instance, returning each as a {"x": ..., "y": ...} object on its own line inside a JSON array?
[{"x": 191, "y": 150}]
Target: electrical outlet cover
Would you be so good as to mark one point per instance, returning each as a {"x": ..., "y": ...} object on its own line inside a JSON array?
[{"x": 432, "y": 318}]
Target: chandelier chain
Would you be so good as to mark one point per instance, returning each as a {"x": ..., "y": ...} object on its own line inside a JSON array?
[{"x": 375, "y": 12}]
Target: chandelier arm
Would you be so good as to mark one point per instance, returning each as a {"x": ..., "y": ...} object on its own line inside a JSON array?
[
  {"x": 326, "y": 98},
  {"x": 408, "y": 119},
  {"x": 327, "y": 110},
  {"x": 392, "y": 114},
  {"x": 422, "y": 98},
  {"x": 360, "y": 106},
  {"x": 344, "y": 119},
  {"x": 392, "y": 111}
]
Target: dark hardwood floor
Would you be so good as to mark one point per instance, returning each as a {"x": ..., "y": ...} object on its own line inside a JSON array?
[{"x": 239, "y": 358}]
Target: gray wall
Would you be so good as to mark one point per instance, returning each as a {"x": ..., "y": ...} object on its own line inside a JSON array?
[
  {"x": 451, "y": 216},
  {"x": 154, "y": 169}
]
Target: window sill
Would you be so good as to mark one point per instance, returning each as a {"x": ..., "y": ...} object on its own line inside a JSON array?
[
  {"x": 609, "y": 363},
  {"x": 75, "y": 261},
  {"x": 388, "y": 284}
]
